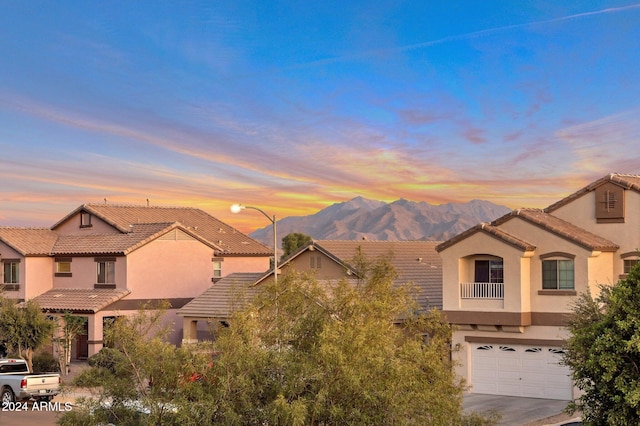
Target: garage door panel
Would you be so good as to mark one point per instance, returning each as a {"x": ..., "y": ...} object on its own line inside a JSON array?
[
  {"x": 509, "y": 364},
  {"x": 519, "y": 370}
]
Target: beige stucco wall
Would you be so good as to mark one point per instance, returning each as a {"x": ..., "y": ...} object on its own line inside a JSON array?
[
  {"x": 581, "y": 212},
  {"x": 591, "y": 268},
  {"x": 329, "y": 268},
  {"x": 457, "y": 267},
  {"x": 545, "y": 243}
]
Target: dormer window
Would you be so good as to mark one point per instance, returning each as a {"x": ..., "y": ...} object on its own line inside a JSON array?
[
  {"x": 609, "y": 203},
  {"x": 85, "y": 220}
]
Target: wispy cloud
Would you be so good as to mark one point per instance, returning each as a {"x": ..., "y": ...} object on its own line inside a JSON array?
[
  {"x": 457, "y": 37},
  {"x": 610, "y": 142}
]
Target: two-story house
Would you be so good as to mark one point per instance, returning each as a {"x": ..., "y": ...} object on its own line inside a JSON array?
[
  {"x": 416, "y": 263},
  {"x": 102, "y": 260},
  {"x": 508, "y": 285}
]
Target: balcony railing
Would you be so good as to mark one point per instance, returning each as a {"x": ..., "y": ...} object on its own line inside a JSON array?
[{"x": 482, "y": 290}]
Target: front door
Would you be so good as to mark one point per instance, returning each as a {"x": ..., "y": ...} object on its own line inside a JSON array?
[{"x": 82, "y": 343}]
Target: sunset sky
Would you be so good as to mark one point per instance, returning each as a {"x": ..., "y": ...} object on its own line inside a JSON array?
[{"x": 293, "y": 106}]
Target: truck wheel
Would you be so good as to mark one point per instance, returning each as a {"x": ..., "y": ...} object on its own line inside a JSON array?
[{"x": 7, "y": 396}]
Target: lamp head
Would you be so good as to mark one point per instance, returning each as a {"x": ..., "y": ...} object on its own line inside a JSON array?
[{"x": 237, "y": 208}]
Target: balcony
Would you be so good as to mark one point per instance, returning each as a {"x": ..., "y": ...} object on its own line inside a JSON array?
[{"x": 483, "y": 291}]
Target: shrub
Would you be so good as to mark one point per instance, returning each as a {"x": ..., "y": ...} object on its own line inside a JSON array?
[
  {"x": 106, "y": 358},
  {"x": 45, "y": 363}
]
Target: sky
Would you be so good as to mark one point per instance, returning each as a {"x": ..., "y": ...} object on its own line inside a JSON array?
[{"x": 293, "y": 106}]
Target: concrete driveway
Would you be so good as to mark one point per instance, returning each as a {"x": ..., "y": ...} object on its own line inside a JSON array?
[{"x": 518, "y": 411}]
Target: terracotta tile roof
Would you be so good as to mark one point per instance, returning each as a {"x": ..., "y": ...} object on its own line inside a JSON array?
[
  {"x": 627, "y": 181},
  {"x": 492, "y": 230},
  {"x": 137, "y": 236},
  {"x": 561, "y": 228},
  {"x": 219, "y": 300},
  {"x": 416, "y": 262},
  {"x": 79, "y": 300},
  {"x": 217, "y": 233},
  {"x": 542, "y": 219},
  {"x": 29, "y": 241}
]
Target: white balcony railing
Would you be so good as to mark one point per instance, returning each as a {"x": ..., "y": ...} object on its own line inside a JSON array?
[{"x": 482, "y": 290}]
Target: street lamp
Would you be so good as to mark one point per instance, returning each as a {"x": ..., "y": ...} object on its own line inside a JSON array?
[{"x": 237, "y": 208}]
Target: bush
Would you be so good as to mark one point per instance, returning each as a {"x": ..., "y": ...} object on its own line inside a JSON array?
[
  {"x": 106, "y": 358},
  {"x": 45, "y": 363}
]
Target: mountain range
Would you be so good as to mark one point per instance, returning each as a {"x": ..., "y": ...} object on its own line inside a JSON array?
[{"x": 361, "y": 218}]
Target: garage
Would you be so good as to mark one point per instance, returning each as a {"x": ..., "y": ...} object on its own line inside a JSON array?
[{"x": 519, "y": 370}]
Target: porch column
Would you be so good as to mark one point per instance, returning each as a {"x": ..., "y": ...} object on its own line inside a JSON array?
[
  {"x": 189, "y": 331},
  {"x": 95, "y": 338}
]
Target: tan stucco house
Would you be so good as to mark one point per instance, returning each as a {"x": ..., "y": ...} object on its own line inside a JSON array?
[
  {"x": 508, "y": 285},
  {"x": 103, "y": 260},
  {"x": 416, "y": 263}
]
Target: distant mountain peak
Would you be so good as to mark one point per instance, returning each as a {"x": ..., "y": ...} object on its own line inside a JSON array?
[{"x": 400, "y": 220}]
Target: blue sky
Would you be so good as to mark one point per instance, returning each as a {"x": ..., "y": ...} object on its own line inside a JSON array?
[{"x": 293, "y": 106}]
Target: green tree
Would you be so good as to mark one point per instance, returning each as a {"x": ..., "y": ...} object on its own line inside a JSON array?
[
  {"x": 604, "y": 353},
  {"x": 144, "y": 380},
  {"x": 306, "y": 354},
  {"x": 291, "y": 242},
  {"x": 300, "y": 353},
  {"x": 24, "y": 328}
]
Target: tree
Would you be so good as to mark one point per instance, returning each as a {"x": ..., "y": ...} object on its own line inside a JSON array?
[
  {"x": 72, "y": 326},
  {"x": 144, "y": 379},
  {"x": 24, "y": 328},
  {"x": 291, "y": 242},
  {"x": 300, "y": 353},
  {"x": 604, "y": 353},
  {"x": 306, "y": 354}
]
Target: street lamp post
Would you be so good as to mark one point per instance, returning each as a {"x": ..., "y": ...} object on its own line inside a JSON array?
[{"x": 237, "y": 208}]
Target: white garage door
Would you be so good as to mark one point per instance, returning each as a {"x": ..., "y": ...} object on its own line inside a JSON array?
[{"x": 519, "y": 370}]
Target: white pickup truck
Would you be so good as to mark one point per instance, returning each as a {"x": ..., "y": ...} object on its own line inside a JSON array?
[{"x": 18, "y": 384}]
